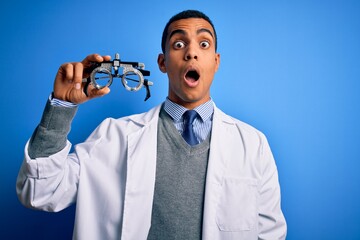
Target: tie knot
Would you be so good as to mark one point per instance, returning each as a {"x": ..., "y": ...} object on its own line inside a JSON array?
[{"x": 189, "y": 116}]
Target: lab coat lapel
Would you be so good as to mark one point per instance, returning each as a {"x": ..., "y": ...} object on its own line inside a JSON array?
[{"x": 141, "y": 166}]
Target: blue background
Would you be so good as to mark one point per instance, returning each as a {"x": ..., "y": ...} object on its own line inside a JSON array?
[{"x": 289, "y": 68}]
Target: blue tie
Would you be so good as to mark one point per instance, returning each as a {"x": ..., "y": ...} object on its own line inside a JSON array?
[{"x": 188, "y": 133}]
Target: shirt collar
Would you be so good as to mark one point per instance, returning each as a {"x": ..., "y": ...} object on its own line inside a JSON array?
[{"x": 176, "y": 111}]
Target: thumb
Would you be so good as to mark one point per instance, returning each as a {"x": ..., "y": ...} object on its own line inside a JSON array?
[{"x": 94, "y": 93}]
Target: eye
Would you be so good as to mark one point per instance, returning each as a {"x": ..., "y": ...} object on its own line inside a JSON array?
[
  {"x": 204, "y": 44},
  {"x": 179, "y": 44}
]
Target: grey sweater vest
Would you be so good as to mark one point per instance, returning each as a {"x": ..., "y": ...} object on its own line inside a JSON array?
[{"x": 180, "y": 184}]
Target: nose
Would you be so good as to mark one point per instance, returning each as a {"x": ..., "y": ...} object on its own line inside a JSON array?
[{"x": 191, "y": 53}]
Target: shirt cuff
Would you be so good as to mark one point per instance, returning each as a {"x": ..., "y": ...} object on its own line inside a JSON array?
[{"x": 61, "y": 103}]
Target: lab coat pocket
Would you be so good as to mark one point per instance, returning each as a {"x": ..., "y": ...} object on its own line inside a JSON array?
[{"x": 237, "y": 209}]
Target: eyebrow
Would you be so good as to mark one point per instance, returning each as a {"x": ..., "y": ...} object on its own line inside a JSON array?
[
  {"x": 182, "y": 32},
  {"x": 201, "y": 30}
]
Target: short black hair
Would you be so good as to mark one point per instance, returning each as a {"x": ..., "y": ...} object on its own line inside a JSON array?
[{"x": 185, "y": 15}]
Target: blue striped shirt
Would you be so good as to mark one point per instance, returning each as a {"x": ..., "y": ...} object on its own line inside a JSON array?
[
  {"x": 60, "y": 103},
  {"x": 201, "y": 125}
]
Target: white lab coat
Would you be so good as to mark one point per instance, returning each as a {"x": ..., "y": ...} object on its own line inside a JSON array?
[{"x": 111, "y": 176}]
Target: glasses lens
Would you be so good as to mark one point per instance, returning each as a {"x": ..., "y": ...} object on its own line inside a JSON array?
[
  {"x": 132, "y": 81},
  {"x": 102, "y": 79}
]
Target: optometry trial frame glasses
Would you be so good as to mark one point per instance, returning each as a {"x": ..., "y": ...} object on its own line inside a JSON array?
[{"x": 132, "y": 75}]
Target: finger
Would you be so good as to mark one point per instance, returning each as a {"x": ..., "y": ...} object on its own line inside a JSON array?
[
  {"x": 106, "y": 57},
  {"x": 78, "y": 74},
  {"x": 92, "y": 58},
  {"x": 93, "y": 92},
  {"x": 68, "y": 69}
]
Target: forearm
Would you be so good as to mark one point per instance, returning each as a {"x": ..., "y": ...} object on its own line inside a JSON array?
[
  {"x": 50, "y": 136},
  {"x": 47, "y": 183}
]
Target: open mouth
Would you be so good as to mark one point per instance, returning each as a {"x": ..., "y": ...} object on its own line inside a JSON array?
[{"x": 192, "y": 75}]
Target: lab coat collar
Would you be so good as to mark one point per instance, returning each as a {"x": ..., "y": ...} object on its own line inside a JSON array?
[{"x": 147, "y": 117}]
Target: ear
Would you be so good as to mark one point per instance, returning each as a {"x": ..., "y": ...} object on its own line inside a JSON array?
[
  {"x": 161, "y": 62},
  {"x": 217, "y": 61}
]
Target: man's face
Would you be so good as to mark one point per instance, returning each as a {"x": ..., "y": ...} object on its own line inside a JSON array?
[{"x": 190, "y": 61}]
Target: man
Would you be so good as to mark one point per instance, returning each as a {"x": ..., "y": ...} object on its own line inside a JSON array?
[{"x": 153, "y": 175}]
